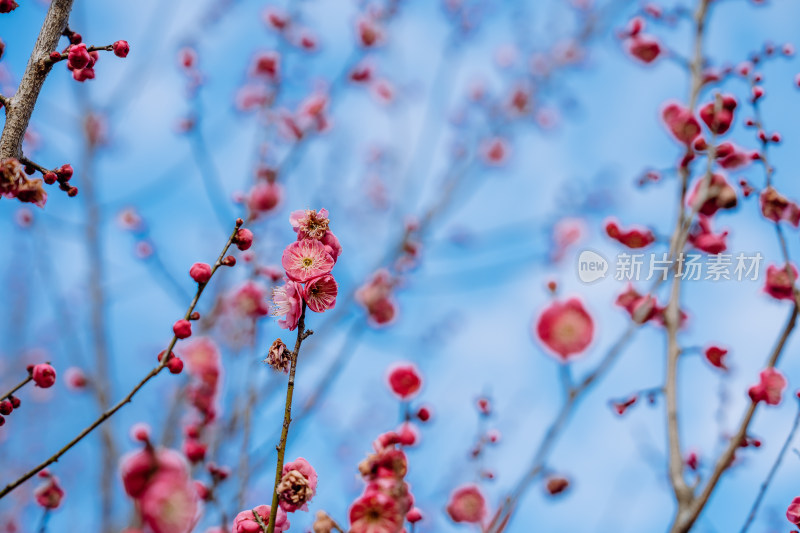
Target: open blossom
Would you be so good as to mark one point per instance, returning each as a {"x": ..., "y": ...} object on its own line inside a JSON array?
[
  {"x": 138, "y": 469},
  {"x": 375, "y": 512},
  {"x": 769, "y": 388},
  {"x": 310, "y": 224},
  {"x": 249, "y": 300},
  {"x": 376, "y": 297},
  {"x": 287, "y": 300},
  {"x": 320, "y": 293},
  {"x": 405, "y": 380},
  {"x": 305, "y": 260},
  {"x": 633, "y": 238},
  {"x": 245, "y": 521},
  {"x": 298, "y": 485},
  {"x": 780, "y": 284},
  {"x": 565, "y": 328},
  {"x": 169, "y": 505},
  {"x": 467, "y": 504}
]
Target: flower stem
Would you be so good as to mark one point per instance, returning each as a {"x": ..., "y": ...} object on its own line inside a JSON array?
[{"x": 302, "y": 334}]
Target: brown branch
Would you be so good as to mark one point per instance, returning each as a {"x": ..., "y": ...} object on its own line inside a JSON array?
[
  {"x": 302, "y": 334},
  {"x": 21, "y": 384},
  {"x": 684, "y": 523},
  {"x": 683, "y": 493},
  {"x": 53, "y": 59},
  {"x": 127, "y": 399},
  {"x": 763, "y": 489},
  {"x": 20, "y": 108},
  {"x": 572, "y": 394}
]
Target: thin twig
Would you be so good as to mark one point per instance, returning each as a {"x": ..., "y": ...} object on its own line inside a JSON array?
[
  {"x": 127, "y": 399},
  {"x": 302, "y": 334},
  {"x": 21, "y": 384},
  {"x": 260, "y": 522},
  {"x": 693, "y": 512},
  {"x": 672, "y": 314},
  {"x": 763, "y": 490}
]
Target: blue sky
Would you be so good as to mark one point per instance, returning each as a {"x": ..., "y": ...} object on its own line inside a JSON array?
[{"x": 466, "y": 312}]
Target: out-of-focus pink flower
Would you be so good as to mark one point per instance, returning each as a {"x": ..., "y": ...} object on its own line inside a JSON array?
[
  {"x": 129, "y": 219},
  {"x": 169, "y": 505},
  {"x": 139, "y": 468},
  {"x": 716, "y": 355},
  {"x": 75, "y": 378},
  {"x": 405, "y": 380},
  {"x": 644, "y": 48},
  {"x": 633, "y": 238},
  {"x": 376, "y": 297},
  {"x": 565, "y": 328},
  {"x": 703, "y": 238},
  {"x": 777, "y": 207},
  {"x": 49, "y": 494},
  {"x": 249, "y": 300},
  {"x": 793, "y": 512},
  {"x": 267, "y": 64},
  {"x": 264, "y": 197},
  {"x": 719, "y": 195},
  {"x": 719, "y": 121},
  {"x": 369, "y": 32},
  {"x": 298, "y": 485},
  {"x": 770, "y": 387},
  {"x": 732, "y": 157},
  {"x": 681, "y": 122},
  {"x": 780, "y": 283},
  {"x": 467, "y": 504},
  {"x": 375, "y": 512},
  {"x": 495, "y": 151}
]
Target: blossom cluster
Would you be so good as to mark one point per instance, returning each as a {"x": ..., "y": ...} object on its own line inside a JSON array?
[{"x": 307, "y": 263}]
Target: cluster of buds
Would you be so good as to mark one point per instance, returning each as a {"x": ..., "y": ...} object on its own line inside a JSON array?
[
  {"x": 204, "y": 364},
  {"x": 81, "y": 59},
  {"x": 377, "y": 298},
  {"x": 43, "y": 375}
]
